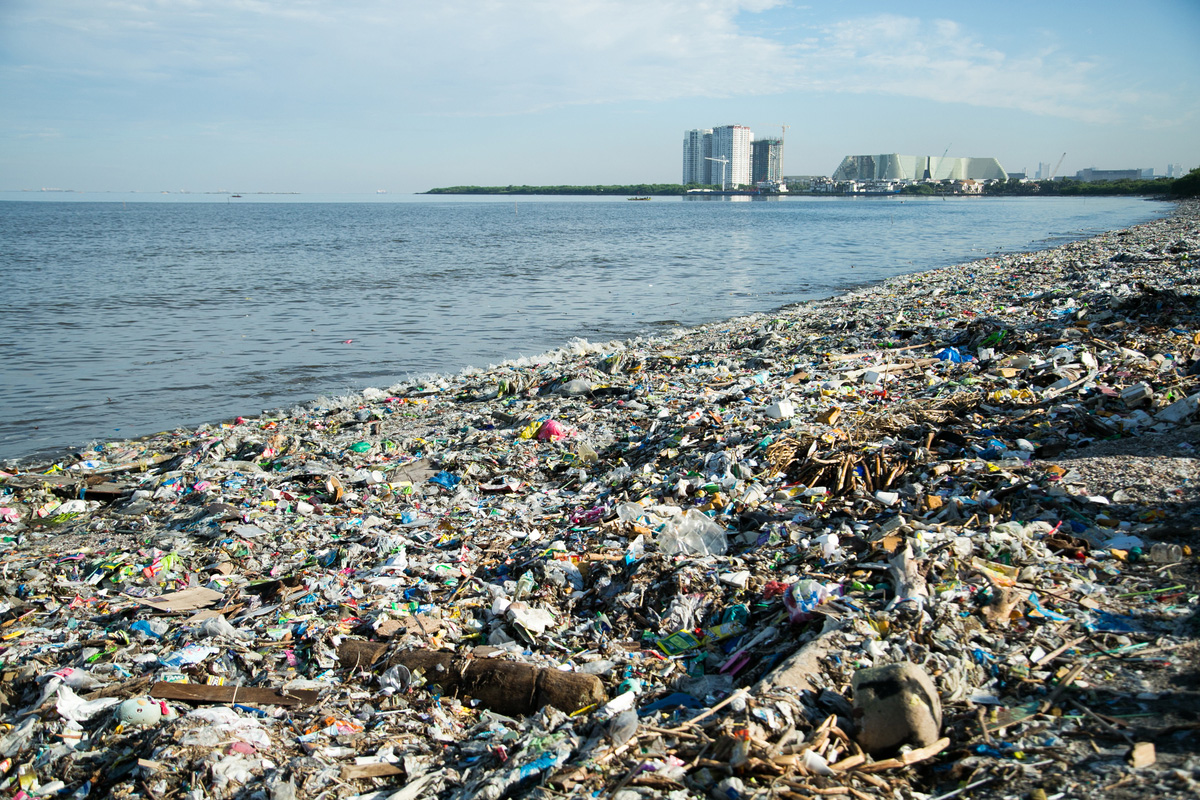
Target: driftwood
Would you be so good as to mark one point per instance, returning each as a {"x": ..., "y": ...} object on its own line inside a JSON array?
[
  {"x": 508, "y": 687},
  {"x": 250, "y": 695}
]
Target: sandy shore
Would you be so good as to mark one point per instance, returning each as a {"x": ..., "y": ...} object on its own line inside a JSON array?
[{"x": 985, "y": 473}]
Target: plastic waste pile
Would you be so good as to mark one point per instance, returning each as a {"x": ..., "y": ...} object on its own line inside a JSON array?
[{"x": 844, "y": 548}]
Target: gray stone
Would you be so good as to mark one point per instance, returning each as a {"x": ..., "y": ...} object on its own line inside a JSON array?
[{"x": 895, "y": 704}]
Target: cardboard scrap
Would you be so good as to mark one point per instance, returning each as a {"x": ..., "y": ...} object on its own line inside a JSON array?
[{"x": 186, "y": 600}]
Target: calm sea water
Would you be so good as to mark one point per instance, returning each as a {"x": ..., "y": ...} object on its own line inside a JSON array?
[{"x": 123, "y": 318}]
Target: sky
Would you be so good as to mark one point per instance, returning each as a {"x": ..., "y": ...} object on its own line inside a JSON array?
[{"x": 355, "y": 96}]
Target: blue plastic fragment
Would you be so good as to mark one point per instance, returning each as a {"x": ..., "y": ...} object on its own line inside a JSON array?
[
  {"x": 445, "y": 480},
  {"x": 954, "y": 355},
  {"x": 674, "y": 700}
]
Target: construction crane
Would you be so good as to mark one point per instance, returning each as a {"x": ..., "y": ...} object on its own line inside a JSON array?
[
  {"x": 1054, "y": 171},
  {"x": 722, "y": 161},
  {"x": 943, "y": 158},
  {"x": 782, "y": 140}
]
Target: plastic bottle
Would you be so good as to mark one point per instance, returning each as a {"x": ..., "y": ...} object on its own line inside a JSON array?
[
  {"x": 26, "y": 776},
  {"x": 741, "y": 748},
  {"x": 622, "y": 727},
  {"x": 1164, "y": 553},
  {"x": 525, "y": 585}
]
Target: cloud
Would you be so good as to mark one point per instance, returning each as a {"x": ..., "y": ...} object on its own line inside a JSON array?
[
  {"x": 939, "y": 60},
  {"x": 444, "y": 57},
  {"x": 310, "y": 58},
  {"x": 46, "y": 134}
]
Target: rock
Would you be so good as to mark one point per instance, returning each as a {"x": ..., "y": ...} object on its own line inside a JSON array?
[{"x": 895, "y": 704}]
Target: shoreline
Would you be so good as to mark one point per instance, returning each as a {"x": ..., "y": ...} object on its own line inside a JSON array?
[
  {"x": 986, "y": 473},
  {"x": 45, "y": 457}
]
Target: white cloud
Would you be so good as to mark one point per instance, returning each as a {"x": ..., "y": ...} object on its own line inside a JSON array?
[
  {"x": 489, "y": 57},
  {"x": 938, "y": 60}
]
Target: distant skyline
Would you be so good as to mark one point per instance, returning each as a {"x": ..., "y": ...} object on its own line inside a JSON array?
[{"x": 362, "y": 95}]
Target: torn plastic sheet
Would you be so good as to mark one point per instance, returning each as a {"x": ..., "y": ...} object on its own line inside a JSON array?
[{"x": 1104, "y": 622}]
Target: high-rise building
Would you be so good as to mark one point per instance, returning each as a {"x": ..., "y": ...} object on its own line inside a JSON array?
[
  {"x": 731, "y": 149},
  {"x": 697, "y": 147},
  {"x": 766, "y": 160}
]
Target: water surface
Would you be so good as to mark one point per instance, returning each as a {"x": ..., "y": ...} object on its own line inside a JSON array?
[{"x": 129, "y": 314}]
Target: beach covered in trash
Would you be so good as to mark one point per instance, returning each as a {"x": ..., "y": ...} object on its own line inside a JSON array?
[{"x": 931, "y": 538}]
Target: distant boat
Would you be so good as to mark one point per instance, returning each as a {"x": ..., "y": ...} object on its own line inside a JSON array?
[
  {"x": 637, "y": 198},
  {"x": 235, "y": 195}
]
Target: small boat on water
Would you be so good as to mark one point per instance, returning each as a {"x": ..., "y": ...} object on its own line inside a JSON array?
[{"x": 637, "y": 198}]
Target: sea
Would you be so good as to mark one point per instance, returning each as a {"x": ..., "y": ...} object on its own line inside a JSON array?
[{"x": 126, "y": 314}]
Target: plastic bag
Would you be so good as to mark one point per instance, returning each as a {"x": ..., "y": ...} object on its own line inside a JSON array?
[{"x": 693, "y": 535}]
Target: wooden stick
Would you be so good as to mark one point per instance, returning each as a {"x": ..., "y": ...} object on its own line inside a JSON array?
[
  {"x": 634, "y": 770},
  {"x": 1100, "y": 721},
  {"x": 981, "y": 713},
  {"x": 909, "y": 758},
  {"x": 1051, "y": 698},
  {"x": 709, "y": 712},
  {"x": 1058, "y": 651}
]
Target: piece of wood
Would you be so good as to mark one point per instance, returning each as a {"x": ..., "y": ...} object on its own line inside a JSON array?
[
  {"x": 509, "y": 687},
  {"x": 1142, "y": 755},
  {"x": 359, "y": 653},
  {"x": 249, "y": 695},
  {"x": 1058, "y": 651},
  {"x": 123, "y": 689},
  {"x": 740, "y": 693},
  {"x": 829, "y": 416},
  {"x": 420, "y": 624},
  {"x": 1062, "y": 686},
  {"x": 381, "y": 770},
  {"x": 909, "y": 758},
  {"x": 848, "y": 763}
]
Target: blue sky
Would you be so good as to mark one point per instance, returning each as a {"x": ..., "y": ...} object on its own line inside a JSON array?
[{"x": 358, "y": 95}]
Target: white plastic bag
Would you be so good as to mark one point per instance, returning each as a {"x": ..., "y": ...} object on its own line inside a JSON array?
[{"x": 692, "y": 535}]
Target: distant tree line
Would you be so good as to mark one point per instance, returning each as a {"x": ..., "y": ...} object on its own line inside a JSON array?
[
  {"x": 639, "y": 189},
  {"x": 926, "y": 188},
  {"x": 1070, "y": 187},
  {"x": 1187, "y": 186}
]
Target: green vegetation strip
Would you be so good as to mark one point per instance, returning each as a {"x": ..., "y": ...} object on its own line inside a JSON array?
[{"x": 639, "y": 189}]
